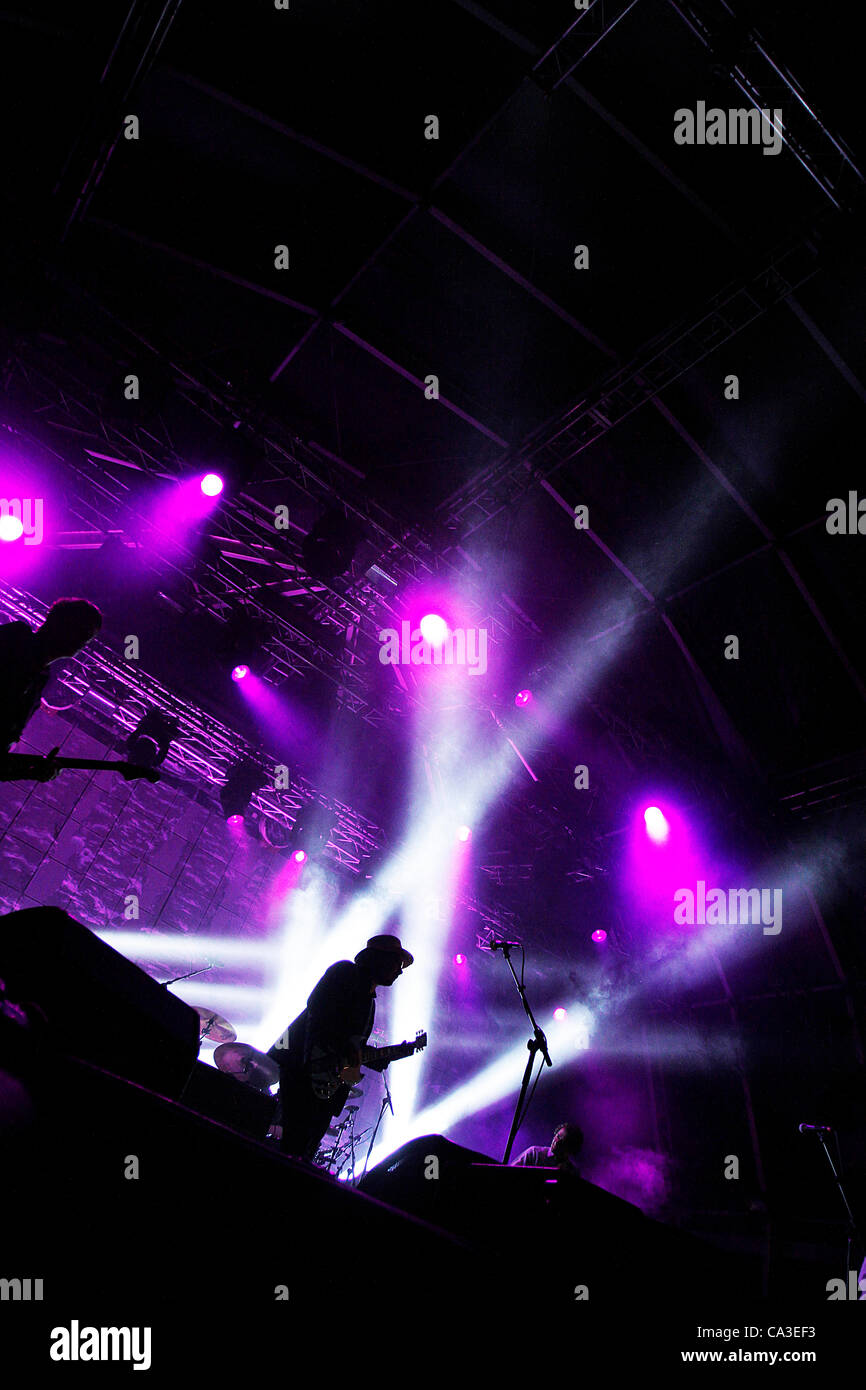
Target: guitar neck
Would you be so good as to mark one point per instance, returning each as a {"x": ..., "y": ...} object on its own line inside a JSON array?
[
  {"x": 29, "y": 765},
  {"x": 377, "y": 1056}
]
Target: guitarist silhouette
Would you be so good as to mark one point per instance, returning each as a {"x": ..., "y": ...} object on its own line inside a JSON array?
[
  {"x": 25, "y": 657},
  {"x": 321, "y": 1052}
]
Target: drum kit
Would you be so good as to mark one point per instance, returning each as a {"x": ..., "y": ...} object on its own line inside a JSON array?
[
  {"x": 236, "y": 1059},
  {"x": 261, "y": 1072},
  {"x": 214, "y": 1028}
]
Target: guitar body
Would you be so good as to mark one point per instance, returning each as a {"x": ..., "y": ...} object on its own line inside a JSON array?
[
  {"x": 338, "y": 1099},
  {"x": 325, "y": 1069}
]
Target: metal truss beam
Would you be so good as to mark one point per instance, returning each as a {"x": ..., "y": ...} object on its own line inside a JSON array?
[
  {"x": 115, "y": 695},
  {"x": 824, "y": 788},
  {"x": 414, "y": 199},
  {"x": 666, "y": 359},
  {"x": 583, "y": 35},
  {"x": 767, "y": 84},
  {"x": 407, "y": 553},
  {"x": 136, "y": 49},
  {"x": 415, "y": 381},
  {"x": 218, "y": 272}
]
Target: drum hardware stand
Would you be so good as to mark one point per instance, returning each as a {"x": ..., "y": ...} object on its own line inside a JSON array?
[
  {"x": 188, "y": 976},
  {"x": 386, "y": 1103},
  {"x": 165, "y": 984}
]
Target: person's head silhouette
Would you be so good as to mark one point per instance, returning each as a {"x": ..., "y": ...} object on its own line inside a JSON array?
[
  {"x": 567, "y": 1142},
  {"x": 69, "y": 624}
]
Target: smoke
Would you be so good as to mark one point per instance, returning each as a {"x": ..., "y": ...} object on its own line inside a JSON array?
[{"x": 640, "y": 1176}]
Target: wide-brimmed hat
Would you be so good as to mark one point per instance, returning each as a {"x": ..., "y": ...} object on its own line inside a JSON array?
[{"x": 379, "y": 946}]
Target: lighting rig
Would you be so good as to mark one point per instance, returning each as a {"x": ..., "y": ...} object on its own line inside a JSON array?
[
  {"x": 117, "y": 695},
  {"x": 248, "y": 555}
]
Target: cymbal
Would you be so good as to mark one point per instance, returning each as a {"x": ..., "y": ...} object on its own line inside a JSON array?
[
  {"x": 214, "y": 1028},
  {"x": 246, "y": 1064}
]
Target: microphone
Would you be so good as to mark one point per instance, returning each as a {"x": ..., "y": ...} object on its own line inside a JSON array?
[
  {"x": 815, "y": 1129},
  {"x": 498, "y": 945}
]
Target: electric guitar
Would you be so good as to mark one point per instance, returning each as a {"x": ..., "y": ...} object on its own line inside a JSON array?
[{"x": 326, "y": 1074}]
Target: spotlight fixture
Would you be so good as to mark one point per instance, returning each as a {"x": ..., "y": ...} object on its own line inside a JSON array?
[
  {"x": 522, "y": 697},
  {"x": 434, "y": 629},
  {"x": 464, "y": 833},
  {"x": 273, "y": 832},
  {"x": 599, "y": 935},
  {"x": 310, "y": 832},
  {"x": 149, "y": 742},
  {"x": 212, "y": 484},
  {"x": 242, "y": 781},
  {"x": 329, "y": 548},
  {"x": 11, "y": 527},
  {"x": 656, "y": 824},
  {"x": 240, "y": 644},
  {"x": 381, "y": 581}
]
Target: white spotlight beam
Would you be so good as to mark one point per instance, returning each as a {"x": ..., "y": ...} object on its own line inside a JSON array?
[
  {"x": 173, "y": 946},
  {"x": 435, "y": 858},
  {"x": 296, "y": 953},
  {"x": 230, "y": 1000},
  {"x": 501, "y": 1078},
  {"x": 428, "y": 923}
]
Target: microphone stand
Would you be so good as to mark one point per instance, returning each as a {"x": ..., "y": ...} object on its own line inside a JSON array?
[
  {"x": 352, "y": 1144},
  {"x": 188, "y": 976},
  {"x": 537, "y": 1043},
  {"x": 387, "y": 1090},
  {"x": 202, "y": 1032},
  {"x": 385, "y": 1102},
  {"x": 853, "y": 1231}
]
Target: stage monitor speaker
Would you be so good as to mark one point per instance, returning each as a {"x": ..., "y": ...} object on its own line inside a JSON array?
[
  {"x": 221, "y": 1097},
  {"x": 422, "y": 1177},
  {"x": 467, "y": 1193},
  {"x": 99, "y": 1006}
]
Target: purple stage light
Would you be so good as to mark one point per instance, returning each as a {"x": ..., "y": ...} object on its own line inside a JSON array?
[
  {"x": 300, "y": 856},
  {"x": 656, "y": 824},
  {"x": 560, "y": 1015},
  {"x": 663, "y": 855},
  {"x": 459, "y": 959},
  {"x": 599, "y": 935},
  {"x": 523, "y": 697},
  {"x": 240, "y": 672},
  {"x": 212, "y": 484},
  {"x": 464, "y": 833},
  {"x": 234, "y": 819},
  {"x": 11, "y": 528},
  {"x": 434, "y": 629}
]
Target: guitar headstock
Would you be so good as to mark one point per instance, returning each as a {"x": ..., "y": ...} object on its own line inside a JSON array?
[{"x": 404, "y": 1049}]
